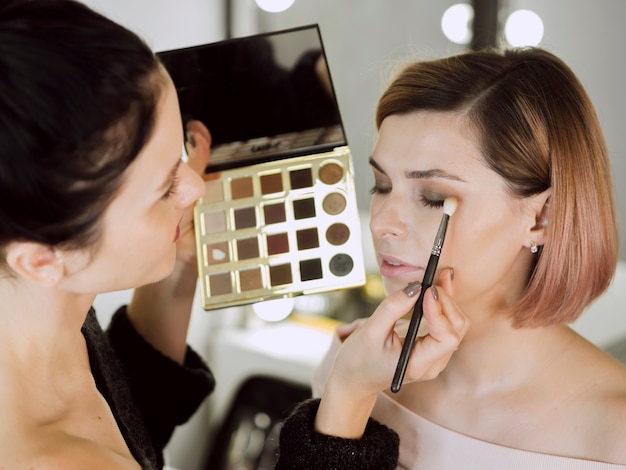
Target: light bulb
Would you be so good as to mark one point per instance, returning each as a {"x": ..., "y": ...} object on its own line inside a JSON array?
[
  {"x": 455, "y": 23},
  {"x": 523, "y": 28},
  {"x": 274, "y": 6}
]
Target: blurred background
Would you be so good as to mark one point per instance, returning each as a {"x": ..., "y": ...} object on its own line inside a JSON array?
[{"x": 263, "y": 366}]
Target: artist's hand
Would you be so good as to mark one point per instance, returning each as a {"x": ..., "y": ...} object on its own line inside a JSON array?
[
  {"x": 367, "y": 359},
  {"x": 198, "y": 146},
  {"x": 160, "y": 312}
]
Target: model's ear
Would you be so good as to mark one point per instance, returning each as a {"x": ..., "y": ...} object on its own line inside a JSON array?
[
  {"x": 36, "y": 262},
  {"x": 540, "y": 207}
]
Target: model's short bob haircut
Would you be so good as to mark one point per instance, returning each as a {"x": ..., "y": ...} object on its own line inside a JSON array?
[{"x": 537, "y": 129}]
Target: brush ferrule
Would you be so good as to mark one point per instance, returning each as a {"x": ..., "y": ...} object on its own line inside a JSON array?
[{"x": 441, "y": 234}]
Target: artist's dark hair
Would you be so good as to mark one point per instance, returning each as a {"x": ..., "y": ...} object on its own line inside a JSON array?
[
  {"x": 78, "y": 98},
  {"x": 537, "y": 129}
]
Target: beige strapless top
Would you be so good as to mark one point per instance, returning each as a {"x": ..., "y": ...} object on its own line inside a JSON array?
[{"x": 425, "y": 445}]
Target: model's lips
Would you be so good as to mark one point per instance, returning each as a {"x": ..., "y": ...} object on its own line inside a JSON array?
[{"x": 393, "y": 267}]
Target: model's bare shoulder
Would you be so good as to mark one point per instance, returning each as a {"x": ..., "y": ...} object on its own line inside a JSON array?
[{"x": 598, "y": 414}]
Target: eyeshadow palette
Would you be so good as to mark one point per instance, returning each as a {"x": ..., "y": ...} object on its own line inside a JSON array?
[{"x": 279, "y": 215}]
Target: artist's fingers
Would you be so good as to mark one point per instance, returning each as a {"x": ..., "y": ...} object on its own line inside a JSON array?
[
  {"x": 198, "y": 127},
  {"x": 198, "y": 145},
  {"x": 446, "y": 279},
  {"x": 447, "y": 326},
  {"x": 345, "y": 330},
  {"x": 391, "y": 309},
  {"x": 445, "y": 290}
]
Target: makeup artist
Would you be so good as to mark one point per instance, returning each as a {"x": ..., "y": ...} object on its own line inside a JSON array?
[
  {"x": 514, "y": 137},
  {"x": 95, "y": 197}
]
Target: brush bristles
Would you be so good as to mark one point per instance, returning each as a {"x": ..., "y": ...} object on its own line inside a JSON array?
[{"x": 449, "y": 205}]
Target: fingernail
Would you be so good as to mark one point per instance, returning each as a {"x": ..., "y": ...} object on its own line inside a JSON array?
[
  {"x": 435, "y": 293},
  {"x": 191, "y": 139},
  {"x": 452, "y": 274},
  {"x": 413, "y": 288}
]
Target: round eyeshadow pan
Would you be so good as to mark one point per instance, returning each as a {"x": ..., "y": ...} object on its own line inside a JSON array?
[
  {"x": 331, "y": 173},
  {"x": 341, "y": 264},
  {"x": 334, "y": 203},
  {"x": 337, "y": 234}
]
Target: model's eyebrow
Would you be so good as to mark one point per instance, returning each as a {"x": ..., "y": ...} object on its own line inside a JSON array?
[
  {"x": 421, "y": 174},
  {"x": 171, "y": 176}
]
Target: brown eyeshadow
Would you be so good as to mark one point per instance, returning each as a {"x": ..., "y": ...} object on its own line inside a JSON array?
[
  {"x": 247, "y": 248},
  {"x": 307, "y": 239},
  {"x": 337, "y": 234},
  {"x": 271, "y": 183},
  {"x": 302, "y": 178},
  {"x": 219, "y": 284},
  {"x": 304, "y": 208},
  {"x": 274, "y": 213},
  {"x": 241, "y": 187},
  {"x": 245, "y": 218},
  {"x": 250, "y": 279},
  {"x": 331, "y": 173},
  {"x": 334, "y": 203},
  {"x": 280, "y": 275},
  {"x": 310, "y": 269},
  {"x": 277, "y": 244}
]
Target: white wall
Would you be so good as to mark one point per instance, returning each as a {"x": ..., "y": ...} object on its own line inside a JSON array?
[
  {"x": 167, "y": 24},
  {"x": 364, "y": 38}
]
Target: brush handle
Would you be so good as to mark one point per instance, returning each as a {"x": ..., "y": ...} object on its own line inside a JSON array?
[{"x": 414, "y": 324}]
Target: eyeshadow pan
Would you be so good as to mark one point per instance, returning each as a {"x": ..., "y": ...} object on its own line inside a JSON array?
[
  {"x": 277, "y": 244},
  {"x": 250, "y": 279},
  {"x": 271, "y": 183},
  {"x": 213, "y": 191},
  {"x": 274, "y": 213},
  {"x": 341, "y": 264},
  {"x": 214, "y": 222},
  {"x": 247, "y": 248},
  {"x": 219, "y": 284},
  {"x": 241, "y": 187},
  {"x": 307, "y": 239},
  {"x": 337, "y": 234},
  {"x": 245, "y": 218},
  {"x": 217, "y": 253},
  {"x": 334, "y": 203},
  {"x": 304, "y": 208},
  {"x": 302, "y": 178},
  {"x": 331, "y": 173},
  {"x": 280, "y": 275},
  {"x": 310, "y": 269}
]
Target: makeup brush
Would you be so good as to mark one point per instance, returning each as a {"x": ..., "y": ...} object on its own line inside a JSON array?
[{"x": 449, "y": 206}]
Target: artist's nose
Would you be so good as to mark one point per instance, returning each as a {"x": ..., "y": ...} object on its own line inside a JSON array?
[{"x": 387, "y": 219}]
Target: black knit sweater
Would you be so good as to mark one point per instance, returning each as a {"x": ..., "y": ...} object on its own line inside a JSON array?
[
  {"x": 148, "y": 393},
  {"x": 301, "y": 448}
]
